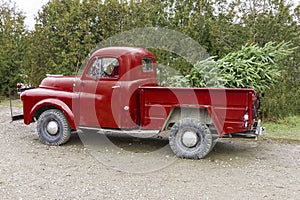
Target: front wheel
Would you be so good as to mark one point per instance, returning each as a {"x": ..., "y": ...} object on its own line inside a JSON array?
[
  {"x": 53, "y": 127},
  {"x": 190, "y": 138}
]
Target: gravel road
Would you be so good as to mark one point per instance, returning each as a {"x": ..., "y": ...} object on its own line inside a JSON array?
[{"x": 91, "y": 166}]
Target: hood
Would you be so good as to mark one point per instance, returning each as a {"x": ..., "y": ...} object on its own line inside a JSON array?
[{"x": 61, "y": 83}]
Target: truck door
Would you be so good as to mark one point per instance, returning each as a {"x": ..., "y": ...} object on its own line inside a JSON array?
[{"x": 98, "y": 82}]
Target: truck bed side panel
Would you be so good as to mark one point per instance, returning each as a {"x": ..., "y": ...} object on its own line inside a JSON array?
[{"x": 226, "y": 107}]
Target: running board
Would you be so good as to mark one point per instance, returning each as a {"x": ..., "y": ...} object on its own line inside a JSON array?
[{"x": 134, "y": 132}]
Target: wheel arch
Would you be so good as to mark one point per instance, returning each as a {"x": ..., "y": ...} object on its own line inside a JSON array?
[
  {"x": 47, "y": 104},
  {"x": 178, "y": 113},
  {"x": 203, "y": 113}
]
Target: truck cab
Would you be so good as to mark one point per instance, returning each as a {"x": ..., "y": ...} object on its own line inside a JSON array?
[{"x": 110, "y": 84}]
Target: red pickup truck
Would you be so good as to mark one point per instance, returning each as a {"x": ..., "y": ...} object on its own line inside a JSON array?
[{"x": 118, "y": 92}]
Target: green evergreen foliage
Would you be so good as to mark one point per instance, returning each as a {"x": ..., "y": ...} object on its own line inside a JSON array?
[
  {"x": 253, "y": 66},
  {"x": 206, "y": 73},
  {"x": 12, "y": 51}
]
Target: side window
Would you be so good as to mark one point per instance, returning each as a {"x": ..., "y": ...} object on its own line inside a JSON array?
[
  {"x": 147, "y": 65},
  {"x": 95, "y": 68},
  {"x": 104, "y": 68}
]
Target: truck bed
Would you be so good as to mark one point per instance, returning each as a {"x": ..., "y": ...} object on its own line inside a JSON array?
[{"x": 225, "y": 107}]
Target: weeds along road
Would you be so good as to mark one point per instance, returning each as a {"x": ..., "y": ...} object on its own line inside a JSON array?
[{"x": 235, "y": 169}]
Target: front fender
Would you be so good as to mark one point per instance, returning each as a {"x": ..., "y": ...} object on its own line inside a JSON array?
[{"x": 53, "y": 103}]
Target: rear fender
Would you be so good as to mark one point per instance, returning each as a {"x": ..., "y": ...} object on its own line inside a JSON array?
[
  {"x": 178, "y": 113},
  {"x": 50, "y": 104},
  {"x": 203, "y": 113}
]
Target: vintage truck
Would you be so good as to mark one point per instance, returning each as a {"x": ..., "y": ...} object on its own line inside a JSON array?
[{"x": 118, "y": 92}]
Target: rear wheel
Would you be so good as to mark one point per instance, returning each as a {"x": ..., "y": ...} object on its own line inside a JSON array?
[
  {"x": 190, "y": 138},
  {"x": 53, "y": 127}
]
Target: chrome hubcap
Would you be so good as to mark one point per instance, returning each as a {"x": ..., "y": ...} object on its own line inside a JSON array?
[
  {"x": 189, "y": 139},
  {"x": 52, "y": 127}
]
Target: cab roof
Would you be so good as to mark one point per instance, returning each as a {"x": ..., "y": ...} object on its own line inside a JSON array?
[{"x": 122, "y": 51}]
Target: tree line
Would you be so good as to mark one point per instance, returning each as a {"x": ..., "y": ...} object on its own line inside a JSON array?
[{"x": 67, "y": 30}]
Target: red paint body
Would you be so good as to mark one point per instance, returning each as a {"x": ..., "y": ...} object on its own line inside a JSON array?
[{"x": 133, "y": 100}]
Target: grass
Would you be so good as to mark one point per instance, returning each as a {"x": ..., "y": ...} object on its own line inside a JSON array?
[
  {"x": 284, "y": 129},
  {"x": 15, "y": 102}
]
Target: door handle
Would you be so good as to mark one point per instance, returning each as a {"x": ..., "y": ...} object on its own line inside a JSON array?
[{"x": 115, "y": 87}]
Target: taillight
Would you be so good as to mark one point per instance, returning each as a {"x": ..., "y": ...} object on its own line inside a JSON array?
[
  {"x": 246, "y": 118},
  {"x": 19, "y": 86}
]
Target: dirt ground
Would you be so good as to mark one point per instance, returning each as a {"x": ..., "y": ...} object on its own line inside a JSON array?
[{"x": 92, "y": 166}]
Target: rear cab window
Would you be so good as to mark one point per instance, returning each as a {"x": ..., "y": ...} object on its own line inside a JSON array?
[{"x": 147, "y": 65}]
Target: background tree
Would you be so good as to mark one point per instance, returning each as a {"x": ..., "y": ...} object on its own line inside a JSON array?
[
  {"x": 278, "y": 21},
  {"x": 13, "y": 47}
]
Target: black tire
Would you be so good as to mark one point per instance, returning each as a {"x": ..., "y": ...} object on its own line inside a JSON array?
[
  {"x": 214, "y": 142},
  {"x": 57, "y": 137},
  {"x": 215, "y": 137},
  {"x": 202, "y": 145}
]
